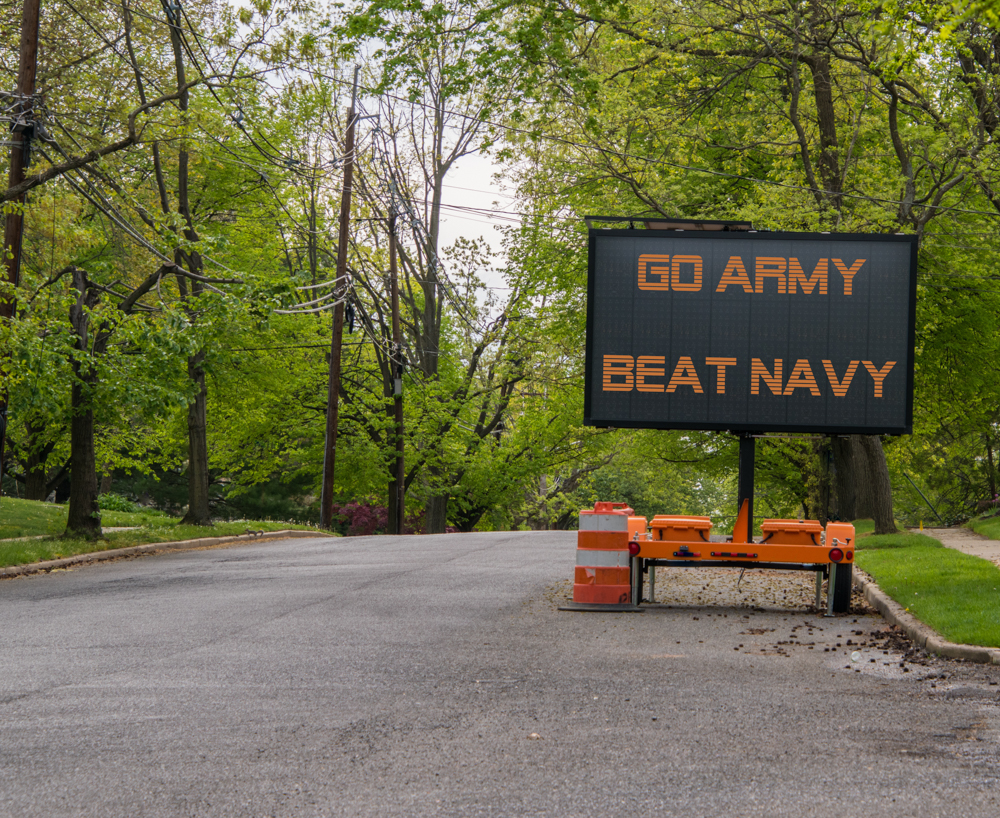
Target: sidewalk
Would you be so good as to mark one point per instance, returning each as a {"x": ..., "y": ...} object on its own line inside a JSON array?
[{"x": 966, "y": 540}]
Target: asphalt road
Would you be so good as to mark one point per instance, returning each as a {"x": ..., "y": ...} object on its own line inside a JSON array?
[{"x": 435, "y": 676}]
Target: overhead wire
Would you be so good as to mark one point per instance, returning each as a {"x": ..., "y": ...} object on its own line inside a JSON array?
[
  {"x": 329, "y": 283},
  {"x": 286, "y": 162},
  {"x": 438, "y": 274},
  {"x": 416, "y": 224},
  {"x": 620, "y": 154},
  {"x": 276, "y": 158},
  {"x": 328, "y": 306},
  {"x": 491, "y": 214},
  {"x": 650, "y": 160},
  {"x": 109, "y": 210},
  {"x": 119, "y": 218}
]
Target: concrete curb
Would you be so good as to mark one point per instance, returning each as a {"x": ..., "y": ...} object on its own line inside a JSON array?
[
  {"x": 151, "y": 548},
  {"x": 917, "y": 631}
]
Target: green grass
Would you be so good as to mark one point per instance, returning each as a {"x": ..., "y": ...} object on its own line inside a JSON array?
[
  {"x": 987, "y": 526},
  {"x": 956, "y": 594},
  {"x": 26, "y": 518},
  {"x": 862, "y": 527}
]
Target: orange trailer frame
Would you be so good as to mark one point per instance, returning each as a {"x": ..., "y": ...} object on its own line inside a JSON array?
[{"x": 786, "y": 545}]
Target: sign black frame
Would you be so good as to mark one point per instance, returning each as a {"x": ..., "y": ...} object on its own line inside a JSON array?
[{"x": 592, "y": 377}]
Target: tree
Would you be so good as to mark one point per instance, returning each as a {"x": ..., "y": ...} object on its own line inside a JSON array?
[
  {"x": 129, "y": 63},
  {"x": 464, "y": 356},
  {"x": 777, "y": 114}
]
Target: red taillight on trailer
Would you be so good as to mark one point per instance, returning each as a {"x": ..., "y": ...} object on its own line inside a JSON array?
[
  {"x": 850, "y": 555},
  {"x": 633, "y": 548},
  {"x": 836, "y": 555}
]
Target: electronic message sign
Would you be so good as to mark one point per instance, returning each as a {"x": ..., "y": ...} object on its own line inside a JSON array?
[{"x": 751, "y": 331}]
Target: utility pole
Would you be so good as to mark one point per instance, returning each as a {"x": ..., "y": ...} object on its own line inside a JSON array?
[
  {"x": 339, "y": 289},
  {"x": 399, "y": 500},
  {"x": 22, "y": 128}
]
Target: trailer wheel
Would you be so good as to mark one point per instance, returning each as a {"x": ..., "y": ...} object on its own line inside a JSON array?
[{"x": 842, "y": 587}]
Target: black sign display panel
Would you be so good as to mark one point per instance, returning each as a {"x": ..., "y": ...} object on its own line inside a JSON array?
[{"x": 746, "y": 331}]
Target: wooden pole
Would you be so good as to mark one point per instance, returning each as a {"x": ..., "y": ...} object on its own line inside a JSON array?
[
  {"x": 21, "y": 134},
  {"x": 340, "y": 290},
  {"x": 397, "y": 373}
]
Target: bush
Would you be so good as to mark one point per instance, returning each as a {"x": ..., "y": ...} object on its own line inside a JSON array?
[
  {"x": 356, "y": 519},
  {"x": 361, "y": 519},
  {"x": 115, "y": 502}
]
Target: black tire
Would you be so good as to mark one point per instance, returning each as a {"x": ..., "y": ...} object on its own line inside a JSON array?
[{"x": 842, "y": 587}]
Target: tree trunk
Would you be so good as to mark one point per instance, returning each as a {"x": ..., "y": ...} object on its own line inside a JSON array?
[
  {"x": 878, "y": 488},
  {"x": 829, "y": 160},
  {"x": 393, "y": 510},
  {"x": 197, "y": 513},
  {"x": 35, "y": 483},
  {"x": 34, "y": 478},
  {"x": 84, "y": 516},
  {"x": 992, "y": 475},
  {"x": 862, "y": 481},
  {"x": 436, "y": 514},
  {"x": 467, "y": 519},
  {"x": 843, "y": 464}
]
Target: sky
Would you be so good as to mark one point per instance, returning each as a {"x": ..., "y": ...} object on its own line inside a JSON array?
[{"x": 472, "y": 195}]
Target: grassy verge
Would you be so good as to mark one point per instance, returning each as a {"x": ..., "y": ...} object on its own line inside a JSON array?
[
  {"x": 987, "y": 526},
  {"x": 862, "y": 527},
  {"x": 24, "y": 518},
  {"x": 954, "y": 593}
]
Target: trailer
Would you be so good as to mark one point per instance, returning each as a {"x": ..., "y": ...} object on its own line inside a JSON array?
[
  {"x": 616, "y": 549},
  {"x": 787, "y": 545},
  {"x": 716, "y": 326}
]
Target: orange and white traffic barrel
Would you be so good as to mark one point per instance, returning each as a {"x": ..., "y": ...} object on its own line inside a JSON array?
[{"x": 602, "y": 557}]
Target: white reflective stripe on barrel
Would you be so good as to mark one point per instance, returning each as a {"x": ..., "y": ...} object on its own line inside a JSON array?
[
  {"x": 603, "y": 522},
  {"x": 602, "y": 559}
]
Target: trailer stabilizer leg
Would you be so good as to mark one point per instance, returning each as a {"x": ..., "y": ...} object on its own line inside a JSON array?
[{"x": 829, "y": 588}]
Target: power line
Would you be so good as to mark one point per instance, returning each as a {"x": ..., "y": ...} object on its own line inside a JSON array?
[
  {"x": 650, "y": 160},
  {"x": 478, "y": 190},
  {"x": 572, "y": 143},
  {"x": 438, "y": 274},
  {"x": 626, "y": 155},
  {"x": 292, "y": 346}
]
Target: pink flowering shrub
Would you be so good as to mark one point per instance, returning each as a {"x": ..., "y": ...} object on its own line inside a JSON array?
[
  {"x": 356, "y": 519},
  {"x": 361, "y": 519}
]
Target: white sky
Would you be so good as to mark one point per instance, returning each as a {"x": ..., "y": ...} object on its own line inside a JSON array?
[{"x": 471, "y": 184}]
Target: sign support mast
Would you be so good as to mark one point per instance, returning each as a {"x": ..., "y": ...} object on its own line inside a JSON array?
[{"x": 744, "y": 490}]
